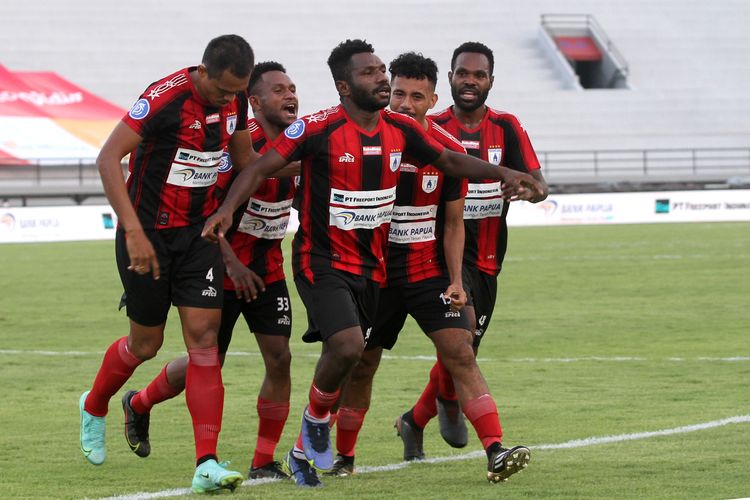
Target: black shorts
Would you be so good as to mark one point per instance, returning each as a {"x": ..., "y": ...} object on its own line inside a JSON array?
[
  {"x": 481, "y": 289},
  {"x": 269, "y": 314},
  {"x": 423, "y": 301},
  {"x": 192, "y": 275},
  {"x": 336, "y": 301}
]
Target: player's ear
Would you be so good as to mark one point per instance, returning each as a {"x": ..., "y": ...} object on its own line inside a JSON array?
[
  {"x": 342, "y": 87},
  {"x": 202, "y": 71},
  {"x": 254, "y": 102},
  {"x": 450, "y": 77},
  {"x": 434, "y": 100},
  {"x": 492, "y": 80}
]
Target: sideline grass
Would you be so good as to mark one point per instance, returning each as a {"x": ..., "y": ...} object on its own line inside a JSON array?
[{"x": 668, "y": 300}]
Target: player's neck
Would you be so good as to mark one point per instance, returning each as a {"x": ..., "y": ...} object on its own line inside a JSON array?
[
  {"x": 366, "y": 120},
  {"x": 470, "y": 119},
  {"x": 271, "y": 131}
]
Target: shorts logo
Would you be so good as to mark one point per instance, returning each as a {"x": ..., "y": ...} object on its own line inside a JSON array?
[
  {"x": 445, "y": 300},
  {"x": 494, "y": 155},
  {"x": 482, "y": 319},
  {"x": 295, "y": 130},
  {"x": 140, "y": 109},
  {"x": 429, "y": 183},
  {"x": 284, "y": 320},
  {"x": 368, "y": 333},
  {"x": 209, "y": 292},
  {"x": 346, "y": 158},
  {"x": 231, "y": 124},
  {"x": 452, "y": 314},
  {"x": 225, "y": 164},
  {"x": 395, "y": 161}
]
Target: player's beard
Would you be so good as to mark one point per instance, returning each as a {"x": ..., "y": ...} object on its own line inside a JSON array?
[
  {"x": 481, "y": 98},
  {"x": 368, "y": 101}
]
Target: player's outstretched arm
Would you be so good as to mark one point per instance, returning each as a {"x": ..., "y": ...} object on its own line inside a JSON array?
[
  {"x": 242, "y": 188},
  {"x": 516, "y": 185},
  {"x": 122, "y": 141}
]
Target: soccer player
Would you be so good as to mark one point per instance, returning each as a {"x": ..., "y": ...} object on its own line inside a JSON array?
[
  {"x": 498, "y": 138},
  {"x": 176, "y": 134},
  {"x": 350, "y": 154},
  {"x": 254, "y": 285},
  {"x": 425, "y": 249}
]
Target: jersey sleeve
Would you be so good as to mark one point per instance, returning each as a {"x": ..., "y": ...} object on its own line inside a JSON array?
[
  {"x": 519, "y": 154},
  {"x": 454, "y": 188},
  {"x": 290, "y": 145},
  {"x": 419, "y": 144},
  {"x": 146, "y": 118}
]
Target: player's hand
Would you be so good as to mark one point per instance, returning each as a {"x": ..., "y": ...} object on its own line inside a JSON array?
[
  {"x": 456, "y": 293},
  {"x": 217, "y": 225},
  {"x": 141, "y": 253},
  {"x": 247, "y": 284},
  {"x": 520, "y": 186}
]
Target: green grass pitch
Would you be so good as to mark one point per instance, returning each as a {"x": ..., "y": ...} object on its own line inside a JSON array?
[{"x": 599, "y": 331}]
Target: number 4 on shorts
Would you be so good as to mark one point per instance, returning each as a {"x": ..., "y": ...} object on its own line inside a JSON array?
[{"x": 210, "y": 275}]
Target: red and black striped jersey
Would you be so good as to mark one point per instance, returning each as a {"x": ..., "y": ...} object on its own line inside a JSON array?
[
  {"x": 501, "y": 140},
  {"x": 415, "y": 239},
  {"x": 173, "y": 171},
  {"x": 260, "y": 226},
  {"x": 348, "y": 187}
]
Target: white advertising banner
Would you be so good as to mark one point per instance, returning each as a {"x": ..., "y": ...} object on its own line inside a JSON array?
[
  {"x": 29, "y": 224},
  {"x": 634, "y": 208}
]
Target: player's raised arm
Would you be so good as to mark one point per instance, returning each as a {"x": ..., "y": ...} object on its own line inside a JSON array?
[{"x": 244, "y": 186}]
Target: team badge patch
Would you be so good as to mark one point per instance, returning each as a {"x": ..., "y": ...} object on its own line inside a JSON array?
[
  {"x": 140, "y": 109},
  {"x": 296, "y": 129},
  {"x": 429, "y": 183},
  {"x": 225, "y": 164},
  {"x": 395, "y": 161},
  {"x": 494, "y": 155},
  {"x": 231, "y": 124}
]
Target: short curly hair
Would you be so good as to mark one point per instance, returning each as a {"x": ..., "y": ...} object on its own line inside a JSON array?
[
  {"x": 341, "y": 57},
  {"x": 259, "y": 70},
  {"x": 414, "y": 65},
  {"x": 476, "y": 47}
]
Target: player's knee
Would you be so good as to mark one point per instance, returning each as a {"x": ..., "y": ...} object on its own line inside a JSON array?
[{"x": 277, "y": 365}]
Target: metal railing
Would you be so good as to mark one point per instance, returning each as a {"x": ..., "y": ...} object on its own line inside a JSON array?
[{"x": 688, "y": 164}]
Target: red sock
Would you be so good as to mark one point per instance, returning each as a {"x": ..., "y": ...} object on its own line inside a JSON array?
[
  {"x": 204, "y": 393},
  {"x": 425, "y": 408},
  {"x": 321, "y": 402},
  {"x": 272, "y": 417},
  {"x": 482, "y": 413},
  {"x": 117, "y": 367},
  {"x": 446, "y": 390},
  {"x": 350, "y": 422},
  {"x": 157, "y": 391}
]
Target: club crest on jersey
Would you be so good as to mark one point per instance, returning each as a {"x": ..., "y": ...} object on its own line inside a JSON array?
[
  {"x": 225, "y": 164},
  {"x": 231, "y": 124},
  {"x": 395, "y": 161},
  {"x": 140, "y": 109},
  {"x": 296, "y": 129},
  {"x": 494, "y": 155},
  {"x": 429, "y": 183}
]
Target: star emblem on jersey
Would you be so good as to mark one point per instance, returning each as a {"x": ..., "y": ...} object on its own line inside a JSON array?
[{"x": 169, "y": 84}]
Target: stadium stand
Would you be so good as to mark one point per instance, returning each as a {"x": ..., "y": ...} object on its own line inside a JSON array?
[{"x": 686, "y": 118}]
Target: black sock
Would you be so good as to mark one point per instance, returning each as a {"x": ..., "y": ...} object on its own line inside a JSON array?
[
  {"x": 206, "y": 458},
  {"x": 409, "y": 418},
  {"x": 493, "y": 448}
]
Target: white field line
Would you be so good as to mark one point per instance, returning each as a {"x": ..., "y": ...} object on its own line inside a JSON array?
[
  {"x": 575, "y": 443},
  {"x": 430, "y": 358}
]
